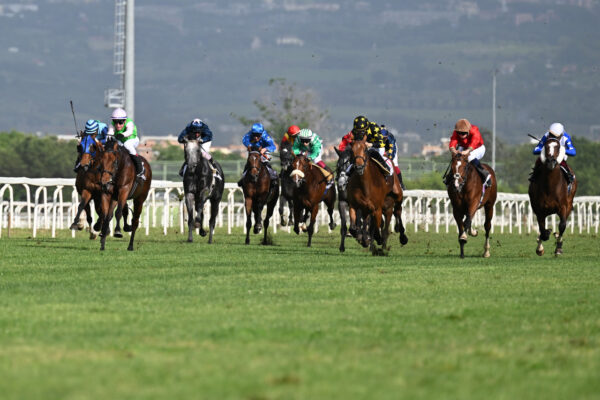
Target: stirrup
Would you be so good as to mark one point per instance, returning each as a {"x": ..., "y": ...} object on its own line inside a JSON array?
[{"x": 488, "y": 181}]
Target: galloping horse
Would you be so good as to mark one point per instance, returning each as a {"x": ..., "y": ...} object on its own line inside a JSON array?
[
  {"x": 467, "y": 194},
  {"x": 88, "y": 187},
  {"x": 119, "y": 183},
  {"x": 256, "y": 185},
  {"x": 343, "y": 163},
  {"x": 376, "y": 194},
  {"x": 200, "y": 183},
  {"x": 549, "y": 194},
  {"x": 310, "y": 188},
  {"x": 286, "y": 194}
]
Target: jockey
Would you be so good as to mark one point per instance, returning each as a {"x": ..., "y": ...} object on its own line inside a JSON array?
[
  {"x": 92, "y": 127},
  {"x": 124, "y": 130},
  {"x": 199, "y": 130},
  {"x": 258, "y": 139},
  {"x": 557, "y": 131},
  {"x": 290, "y": 135},
  {"x": 310, "y": 143},
  {"x": 390, "y": 146},
  {"x": 362, "y": 126},
  {"x": 466, "y": 139},
  {"x": 346, "y": 141}
]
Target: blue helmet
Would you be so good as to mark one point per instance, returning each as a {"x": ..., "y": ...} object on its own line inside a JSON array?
[
  {"x": 196, "y": 126},
  {"x": 384, "y": 131},
  {"x": 257, "y": 129},
  {"x": 91, "y": 127}
]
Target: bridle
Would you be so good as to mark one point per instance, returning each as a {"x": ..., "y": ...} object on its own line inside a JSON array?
[
  {"x": 255, "y": 166},
  {"x": 115, "y": 167},
  {"x": 460, "y": 179}
]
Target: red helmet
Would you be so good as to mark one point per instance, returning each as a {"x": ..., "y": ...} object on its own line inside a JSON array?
[{"x": 293, "y": 130}]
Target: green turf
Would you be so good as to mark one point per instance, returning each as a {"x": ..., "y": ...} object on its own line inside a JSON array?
[{"x": 229, "y": 321}]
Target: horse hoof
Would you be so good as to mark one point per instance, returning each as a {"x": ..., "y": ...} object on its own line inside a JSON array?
[
  {"x": 190, "y": 240},
  {"x": 197, "y": 224},
  {"x": 403, "y": 239},
  {"x": 558, "y": 252},
  {"x": 118, "y": 234},
  {"x": 486, "y": 254},
  {"x": 92, "y": 236},
  {"x": 202, "y": 232},
  {"x": 473, "y": 232},
  {"x": 257, "y": 229},
  {"x": 283, "y": 222},
  {"x": 130, "y": 248},
  {"x": 342, "y": 249},
  {"x": 127, "y": 228},
  {"x": 539, "y": 252}
]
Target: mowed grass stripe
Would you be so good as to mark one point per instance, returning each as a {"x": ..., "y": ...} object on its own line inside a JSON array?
[{"x": 285, "y": 321}]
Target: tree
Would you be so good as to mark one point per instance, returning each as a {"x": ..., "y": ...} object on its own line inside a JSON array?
[{"x": 288, "y": 105}]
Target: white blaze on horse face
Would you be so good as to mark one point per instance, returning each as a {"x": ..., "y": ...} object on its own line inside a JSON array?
[
  {"x": 457, "y": 174},
  {"x": 561, "y": 154}
]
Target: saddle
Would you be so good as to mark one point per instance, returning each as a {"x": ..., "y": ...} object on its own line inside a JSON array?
[
  {"x": 378, "y": 160},
  {"x": 326, "y": 174}
]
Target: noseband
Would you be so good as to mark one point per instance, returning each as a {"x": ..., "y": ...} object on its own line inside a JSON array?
[
  {"x": 115, "y": 168},
  {"x": 461, "y": 179}
]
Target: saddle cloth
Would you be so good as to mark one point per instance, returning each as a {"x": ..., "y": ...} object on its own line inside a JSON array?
[{"x": 326, "y": 174}]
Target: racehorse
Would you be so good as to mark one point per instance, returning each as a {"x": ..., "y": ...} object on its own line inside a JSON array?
[
  {"x": 286, "y": 194},
  {"x": 119, "y": 183},
  {"x": 201, "y": 183},
  {"x": 467, "y": 194},
  {"x": 549, "y": 194},
  {"x": 256, "y": 185},
  {"x": 310, "y": 188},
  {"x": 376, "y": 194},
  {"x": 343, "y": 164}
]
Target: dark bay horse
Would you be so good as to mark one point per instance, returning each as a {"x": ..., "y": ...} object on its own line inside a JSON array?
[
  {"x": 200, "y": 184},
  {"x": 310, "y": 189},
  {"x": 286, "y": 194},
  {"x": 88, "y": 187},
  {"x": 119, "y": 183},
  {"x": 343, "y": 164},
  {"x": 376, "y": 194},
  {"x": 258, "y": 192},
  {"x": 549, "y": 194},
  {"x": 467, "y": 195}
]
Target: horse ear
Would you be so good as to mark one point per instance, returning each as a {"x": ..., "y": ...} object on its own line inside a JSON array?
[
  {"x": 100, "y": 146},
  {"x": 364, "y": 139},
  {"x": 337, "y": 151}
]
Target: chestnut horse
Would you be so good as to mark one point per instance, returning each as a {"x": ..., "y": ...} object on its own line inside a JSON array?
[
  {"x": 467, "y": 195},
  {"x": 549, "y": 194},
  {"x": 376, "y": 194},
  {"x": 256, "y": 185},
  {"x": 88, "y": 187},
  {"x": 310, "y": 188},
  {"x": 201, "y": 183},
  {"x": 119, "y": 183}
]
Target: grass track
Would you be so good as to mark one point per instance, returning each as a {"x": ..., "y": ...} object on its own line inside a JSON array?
[{"x": 230, "y": 321}]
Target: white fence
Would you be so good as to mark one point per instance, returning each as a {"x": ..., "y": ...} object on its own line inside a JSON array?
[{"x": 426, "y": 210}]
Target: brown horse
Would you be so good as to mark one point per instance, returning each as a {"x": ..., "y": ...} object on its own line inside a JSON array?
[
  {"x": 311, "y": 188},
  {"x": 119, "y": 183},
  {"x": 549, "y": 194},
  {"x": 256, "y": 185},
  {"x": 375, "y": 194},
  {"x": 467, "y": 195}
]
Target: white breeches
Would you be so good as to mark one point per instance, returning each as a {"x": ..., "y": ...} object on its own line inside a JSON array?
[
  {"x": 206, "y": 150},
  {"x": 131, "y": 145},
  {"x": 387, "y": 160},
  {"x": 478, "y": 153},
  {"x": 318, "y": 157}
]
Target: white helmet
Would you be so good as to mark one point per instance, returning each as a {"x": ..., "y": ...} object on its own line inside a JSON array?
[
  {"x": 556, "y": 129},
  {"x": 305, "y": 134},
  {"x": 119, "y": 113}
]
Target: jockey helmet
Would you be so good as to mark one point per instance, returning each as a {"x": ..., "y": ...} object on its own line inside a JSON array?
[
  {"x": 119, "y": 113},
  {"x": 293, "y": 130},
  {"x": 305, "y": 135},
  {"x": 91, "y": 127},
  {"x": 196, "y": 126},
  {"x": 462, "y": 125},
  {"x": 556, "y": 129},
  {"x": 384, "y": 131},
  {"x": 360, "y": 123},
  {"x": 257, "y": 129}
]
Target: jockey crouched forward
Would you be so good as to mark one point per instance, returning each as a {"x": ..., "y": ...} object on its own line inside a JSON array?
[
  {"x": 92, "y": 127},
  {"x": 466, "y": 139},
  {"x": 258, "y": 139},
  {"x": 124, "y": 130},
  {"x": 557, "y": 131},
  {"x": 361, "y": 127},
  {"x": 310, "y": 143},
  {"x": 197, "y": 130}
]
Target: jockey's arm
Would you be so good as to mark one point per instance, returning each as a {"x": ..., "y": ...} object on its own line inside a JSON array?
[
  {"x": 129, "y": 130},
  {"x": 182, "y": 135}
]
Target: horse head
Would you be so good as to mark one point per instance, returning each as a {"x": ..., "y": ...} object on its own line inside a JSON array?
[
  {"x": 460, "y": 169},
  {"x": 109, "y": 165},
  {"x": 344, "y": 161},
  {"x": 193, "y": 153},
  {"x": 254, "y": 164},
  {"x": 286, "y": 156},
  {"x": 300, "y": 166},
  {"x": 90, "y": 146},
  {"x": 359, "y": 155},
  {"x": 553, "y": 153}
]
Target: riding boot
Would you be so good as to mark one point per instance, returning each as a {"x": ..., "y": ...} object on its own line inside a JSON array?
[
  {"x": 400, "y": 179},
  {"x": 182, "y": 169},
  {"x": 139, "y": 167},
  {"x": 485, "y": 175},
  {"x": 77, "y": 163}
]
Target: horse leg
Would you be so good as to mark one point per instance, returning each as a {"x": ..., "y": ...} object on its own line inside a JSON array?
[
  {"x": 400, "y": 224},
  {"x": 342, "y": 207},
  {"x": 330, "y": 208},
  {"x": 291, "y": 212},
  {"x": 562, "y": 225},
  {"x": 83, "y": 205},
  {"x": 544, "y": 234},
  {"x": 386, "y": 228},
  {"x": 257, "y": 217},
  {"x": 270, "y": 208},
  {"x": 248, "y": 218},
  {"x": 297, "y": 216},
  {"x": 126, "y": 226},
  {"x": 189, "y": 204},
  {"x": 108, "y": 207},
  {"x": 311, "y": 225},
  {"x": 489, "y": 214},
  {"x": 118, "y": 216},
  {"x": 462, "y": 235},
  {"x": 98, "y": 225},
  {"x": 282, "y": 200},
  {"x": 214, "y": 211},
  {"x": 138, "y": 204},
  {"x": 352, "y": 216}
]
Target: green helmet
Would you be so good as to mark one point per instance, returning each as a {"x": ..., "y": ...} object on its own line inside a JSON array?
[{"x": 305, "y": 134}]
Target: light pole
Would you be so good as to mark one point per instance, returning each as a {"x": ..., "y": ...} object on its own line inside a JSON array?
[{"x": 494, "y": 119}]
